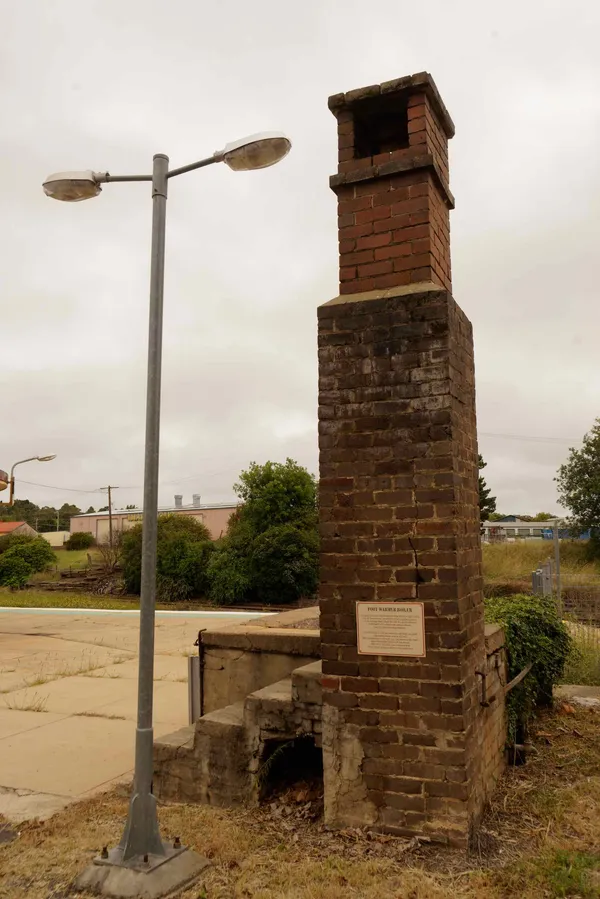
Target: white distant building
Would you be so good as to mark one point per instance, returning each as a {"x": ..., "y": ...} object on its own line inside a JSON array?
[{"x": 513, "y": 528}]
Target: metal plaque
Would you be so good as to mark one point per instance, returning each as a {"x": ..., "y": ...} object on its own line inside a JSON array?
[{"x": 391, "y": 629}]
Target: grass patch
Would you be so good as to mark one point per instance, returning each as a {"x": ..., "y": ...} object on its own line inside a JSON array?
[
  {"x": 55, "y": 599},
  {"x": 516, "y": 561},
  {"x": 583, "y": 664}
]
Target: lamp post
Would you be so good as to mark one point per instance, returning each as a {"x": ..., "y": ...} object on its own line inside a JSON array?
[
  {"x": 11, "y": 482},
  {"x": 141, "y": 848}
]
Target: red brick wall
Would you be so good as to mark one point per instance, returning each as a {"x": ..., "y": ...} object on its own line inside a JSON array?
[{"x": 393, "y": 206}]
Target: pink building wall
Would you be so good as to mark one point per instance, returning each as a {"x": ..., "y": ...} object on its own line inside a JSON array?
[{"x": 215, "y": 519}]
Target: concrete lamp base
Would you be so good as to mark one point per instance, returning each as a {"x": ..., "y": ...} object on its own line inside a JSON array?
[{"x": 159, "y": 876}]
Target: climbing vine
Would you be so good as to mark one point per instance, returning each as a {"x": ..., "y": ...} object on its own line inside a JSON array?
[{"x": 535, "y": 634}]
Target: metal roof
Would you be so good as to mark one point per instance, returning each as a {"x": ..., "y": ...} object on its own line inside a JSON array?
[
  {"x": 200, "y": 508},
  {"x": 7, "y": 526}
]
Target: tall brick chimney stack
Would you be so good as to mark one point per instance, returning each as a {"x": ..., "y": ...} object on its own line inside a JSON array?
[
  {"x": 392, "y": 185},
  {"x": 410, "y": 745}
]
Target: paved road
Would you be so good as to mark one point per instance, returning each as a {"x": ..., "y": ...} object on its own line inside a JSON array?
[{"x": 68, "y": 683}]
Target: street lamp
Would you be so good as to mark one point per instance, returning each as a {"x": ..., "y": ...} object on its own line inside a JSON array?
[
  {"x": 141, "y": 850},
  {"x": 11, "y": 482}
]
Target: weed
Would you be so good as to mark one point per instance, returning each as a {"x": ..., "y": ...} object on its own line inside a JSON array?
[
  {"x": 568, "y": 873},
  {"x": 27, "y": 704},
  {"x": 99, "y": 715}
]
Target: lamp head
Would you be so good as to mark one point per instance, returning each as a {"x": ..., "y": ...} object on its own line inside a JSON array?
[
  {"x": 258, "y": 151},
  {"x": 72, "y": 186}
]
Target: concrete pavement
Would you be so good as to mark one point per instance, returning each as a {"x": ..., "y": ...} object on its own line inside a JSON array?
[{"x": 68, "y": 690}]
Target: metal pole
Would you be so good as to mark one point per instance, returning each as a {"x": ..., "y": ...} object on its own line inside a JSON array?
[
  {"x": 557, "y": 565},
  {"x": 141, "y": 836}
]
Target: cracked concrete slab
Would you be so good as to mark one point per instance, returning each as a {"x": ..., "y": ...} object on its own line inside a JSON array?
[{"x": 71, "y": 732}]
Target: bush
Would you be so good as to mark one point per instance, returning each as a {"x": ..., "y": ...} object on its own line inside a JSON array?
[
  {"x": 34, "y": 551},
  {"x": 183, "y": 551},
  {"x": 534, "y": 633},
  {"x": 284, "y": 564},
  {"x": 229, "y": 576},
  {"x": 14, "y": 570},
  {"x": 80, "y": 540}
]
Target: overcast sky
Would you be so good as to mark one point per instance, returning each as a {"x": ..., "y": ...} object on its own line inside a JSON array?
[{"x": 104, "y": 85}]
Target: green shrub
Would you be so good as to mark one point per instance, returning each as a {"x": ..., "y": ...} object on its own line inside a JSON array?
[
  {"x": 80, "y": 540},
  {"x": 183, "y": 550},
  {"x": 229, "y": 576},
  {"x": 284, "y": 564},
  {"x": 534, "y": 633},
  {"x": 34, "y": 551},
  {"x": 14, "y": 570}
]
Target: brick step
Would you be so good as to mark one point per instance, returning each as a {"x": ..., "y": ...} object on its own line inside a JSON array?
[
  {"x": 206, "y": 762},
  {"x": 218, "y": 760}
]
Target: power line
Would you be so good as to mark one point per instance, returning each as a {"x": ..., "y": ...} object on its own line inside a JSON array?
[
  {"x": 194, "y": 477},
  {"x": 54, "y": 487},
  {"x": 530, "y": 438}
]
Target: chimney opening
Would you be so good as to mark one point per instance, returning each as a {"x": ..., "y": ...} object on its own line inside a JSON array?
[{"x": 380, "y": 124}]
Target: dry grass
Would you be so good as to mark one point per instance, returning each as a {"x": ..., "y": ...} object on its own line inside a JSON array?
[
  {"x": 540, "y": 839},
  {"x": 34, "y": 703},
  {"x": 99, "y": 715},
  {"x": 516, "y": 561}
]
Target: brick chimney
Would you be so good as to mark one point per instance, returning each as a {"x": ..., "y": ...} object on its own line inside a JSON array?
[
  {"x": 410, "y": 743},
  {"x": 178, "y": 501},
  {"x": 392, "y": 185}
]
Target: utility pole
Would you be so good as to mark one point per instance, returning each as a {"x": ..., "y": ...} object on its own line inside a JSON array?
[
  {"x": 58, "y": 519},
  {"x": 109, "y": 490}
]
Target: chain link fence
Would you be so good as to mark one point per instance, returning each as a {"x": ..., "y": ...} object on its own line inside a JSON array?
[{"x": 579, "y": 606}]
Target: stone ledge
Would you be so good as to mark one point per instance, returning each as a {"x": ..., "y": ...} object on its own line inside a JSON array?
[
  {"x": 261, "y": 639},
  {"x": 494, "y": 638},
  {"x": 418, "y": 290}
]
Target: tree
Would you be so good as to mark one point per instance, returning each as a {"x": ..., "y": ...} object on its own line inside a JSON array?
[
  {"x": 66, "y": 511},
  {"x": 91, "y": 509},
  {"x": 579, "y": 483},
  {"x": 487, "y": 503},
  {"x": 276, "y": 493},
  {"x": 270, "y": 553},
  {"x": 544, "y": 516}
]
